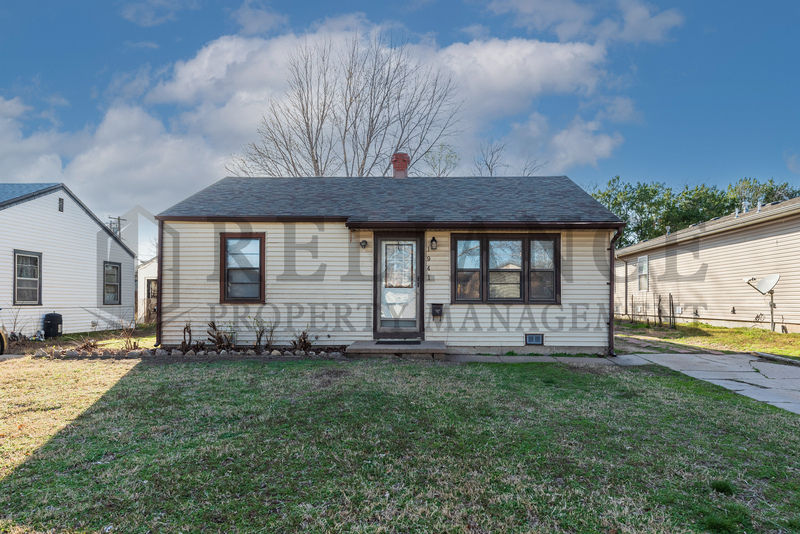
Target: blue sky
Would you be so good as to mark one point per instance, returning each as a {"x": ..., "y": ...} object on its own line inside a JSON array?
[{"x": 143, "y": 101}]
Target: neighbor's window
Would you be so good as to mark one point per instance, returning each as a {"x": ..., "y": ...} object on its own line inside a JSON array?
[
  {"x": 644, "y": 279},
  {"x": 523, "y": 268},
  {"x": 242, "y": 269},
  {"x": 152, "y": 288},
  {"x": 111, "y": 283},
  {"x": 27, "y": 278}
]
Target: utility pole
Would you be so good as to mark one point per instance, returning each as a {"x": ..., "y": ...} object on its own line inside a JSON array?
[{"x": 116, "y": 228}]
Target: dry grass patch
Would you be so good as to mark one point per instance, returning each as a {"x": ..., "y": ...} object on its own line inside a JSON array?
[
  {"x": 701, "y": 336},
  {"x": 386, "y": 446}
]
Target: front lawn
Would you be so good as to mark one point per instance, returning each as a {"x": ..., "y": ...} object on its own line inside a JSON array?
[
  {"x": 700, "y": 336},
  {"x": 387, "y": 446},
  {"x": 143, "y": 336}
]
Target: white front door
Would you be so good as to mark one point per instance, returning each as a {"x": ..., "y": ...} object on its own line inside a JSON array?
[{"x": 398, "y": 285}]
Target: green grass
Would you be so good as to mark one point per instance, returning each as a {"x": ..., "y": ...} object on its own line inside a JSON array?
[
  {"x": 387, "y": 446},
  {"x": 701, "y": 335},
  {"x": 144, "y": 335}
]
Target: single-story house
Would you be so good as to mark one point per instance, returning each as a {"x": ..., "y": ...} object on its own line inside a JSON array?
[
  {"x": 706, "y": 269},
  {"x": 56, "y": 256},
  {"x": 463, "y": 264},
  {"x": 147, "y": 290}
]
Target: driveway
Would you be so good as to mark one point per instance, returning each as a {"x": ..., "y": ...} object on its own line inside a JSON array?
[{"x": 774, "y": 383}]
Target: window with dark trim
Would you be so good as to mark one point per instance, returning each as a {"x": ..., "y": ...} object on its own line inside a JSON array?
[
  {"x": 27, "y": 278},
  {"x": 112, "y": 285},
  {"x": 242, "y": 267},
  {"x": 152, "y": 288},
  {"x": 506, "y": 268}
]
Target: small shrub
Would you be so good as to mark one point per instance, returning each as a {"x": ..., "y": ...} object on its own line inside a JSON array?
[
  {"x": 723, "y": 486},
  {"x": 303, "y": 341},
  {"x": 265, "y": 334},
  {"x": 219, "y": 338},
  {"x": 126, "y": 334}
]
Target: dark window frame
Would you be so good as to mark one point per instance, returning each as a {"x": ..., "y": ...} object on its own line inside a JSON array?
[
  {"x": 14, "y": 296},
  {"x": 223, "y": 253},
  {"x": 148, "y": 287},
  {"x": 119, "y": 283},
  {"x": 526, "y": 266}
]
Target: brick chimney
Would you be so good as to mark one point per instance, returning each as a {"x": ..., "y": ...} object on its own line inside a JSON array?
[{"x": 400, "y": 163}]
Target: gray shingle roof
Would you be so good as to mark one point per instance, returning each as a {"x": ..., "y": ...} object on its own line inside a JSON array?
[
  {"x": 12, "y": 192},
  {"x": 367, "y": 201}
]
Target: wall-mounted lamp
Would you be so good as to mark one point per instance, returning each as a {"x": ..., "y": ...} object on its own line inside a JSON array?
[
  {"x": 363, "y": 243},
  {"x": 433, "y": 243}
]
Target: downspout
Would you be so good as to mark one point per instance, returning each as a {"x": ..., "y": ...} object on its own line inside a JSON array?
[
  {"x": 626, "y": 287},
  {"x": 159, "y": 281},
  {"x": 612, "y": 274}
]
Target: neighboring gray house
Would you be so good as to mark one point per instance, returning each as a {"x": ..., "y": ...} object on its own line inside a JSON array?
[
  {"x": 471, "y": 264},
  {"x": 57, "y": 256},
  {"x": 704, "y": 267}
]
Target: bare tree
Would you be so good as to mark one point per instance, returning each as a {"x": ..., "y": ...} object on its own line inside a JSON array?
[
  {"x": 440, "y": 161},
  {"x": 490, "y": 160},
  {"x": 349, "y": 109}
]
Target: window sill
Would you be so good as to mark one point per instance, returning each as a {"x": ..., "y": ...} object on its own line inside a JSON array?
[
  {"x": 27, "y": 304},
  {"x": 249, "y": 301},
  {"x": 505, "y": 302}
]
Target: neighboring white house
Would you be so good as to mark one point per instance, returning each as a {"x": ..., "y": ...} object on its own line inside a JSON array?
[
  {"x": 57, "y": 256},
  {"x": 147, "y": 283},
  {"x": 704, "y": 268},
  {"x": 462, "y": 264}
]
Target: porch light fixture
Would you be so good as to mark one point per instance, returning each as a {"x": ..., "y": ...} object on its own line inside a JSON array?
[
  {"x": 433, "y": 243},
  {"x": 363, "y": 243}
]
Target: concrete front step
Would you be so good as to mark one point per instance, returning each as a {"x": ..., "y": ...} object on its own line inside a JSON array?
[{"x": 384, "y": 348}]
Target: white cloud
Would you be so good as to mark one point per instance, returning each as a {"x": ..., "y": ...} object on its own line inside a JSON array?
[
  {"x": 477, "y": 31},
  {"x": 13, "y": 108},
  {"x": 254, "y": 18},
  {"x": 580, "y": 143},
  {"x": 143, "y": 45},
  {"x": 619, "y": 109},
  {"x": 632, "y": 20},
  {"x": 149, "y": 13},
  {"x": 501, "y": 77},
  {"x": 792, "y": 161}
]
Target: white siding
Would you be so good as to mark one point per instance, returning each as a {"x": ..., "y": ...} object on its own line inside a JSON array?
[
  {"x": 145, "y": 272},
  {"x": 73, "y": 248},
  {"x": 339, "y": 303},
  {"x": 704, "y": 276},
  {"x": 580, "y": 322},
  {"x": 335, "y": 304}
]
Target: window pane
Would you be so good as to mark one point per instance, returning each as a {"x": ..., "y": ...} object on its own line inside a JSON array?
[
  {"x": 543, "y": 285},
  {"x": 505, "y": 255},
  {"x": 243, "y": 276},
  {"x": 27, "y": 295},
  {"x": 468, "y": 285},
  {"x": 543, "y": 254},
  {"x": 243, "y": 291},
  {"x": 28, "y": 284},
  {"x": 152, "y": 289},
  {"x": 469, "y": 254},
  {"x": 505, "y": 285},
  {"x": 112, "y": 274},
  {"x": 111, "y": 294},
  {"x": 243, "y": 253},
  {"x": 399, "y": 264},
  {"x": 643, "y": 282},
  {"x": 642, "y": 265},
  {"x": 27, "y": 267}
]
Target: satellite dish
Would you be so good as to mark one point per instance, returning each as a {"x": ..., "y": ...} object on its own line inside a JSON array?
[{"x": 766, "y": 284}]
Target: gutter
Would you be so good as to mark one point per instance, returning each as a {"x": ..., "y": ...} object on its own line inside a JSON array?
[
  {"x": 612, "y": 275},
  {"x": 159, "y": 282}
]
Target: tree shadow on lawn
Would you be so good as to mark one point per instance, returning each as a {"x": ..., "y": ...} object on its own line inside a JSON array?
[{"x": 371, "y": 445}]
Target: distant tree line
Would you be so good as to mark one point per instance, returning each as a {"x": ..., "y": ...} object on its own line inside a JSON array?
[{"x": 648, "y": 208}]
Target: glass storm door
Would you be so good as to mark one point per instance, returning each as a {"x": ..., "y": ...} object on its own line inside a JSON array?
[{"x": 398, "y": 285}]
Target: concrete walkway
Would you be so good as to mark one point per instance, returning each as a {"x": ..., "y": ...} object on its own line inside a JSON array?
[{"x": 774, "y": 383}]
